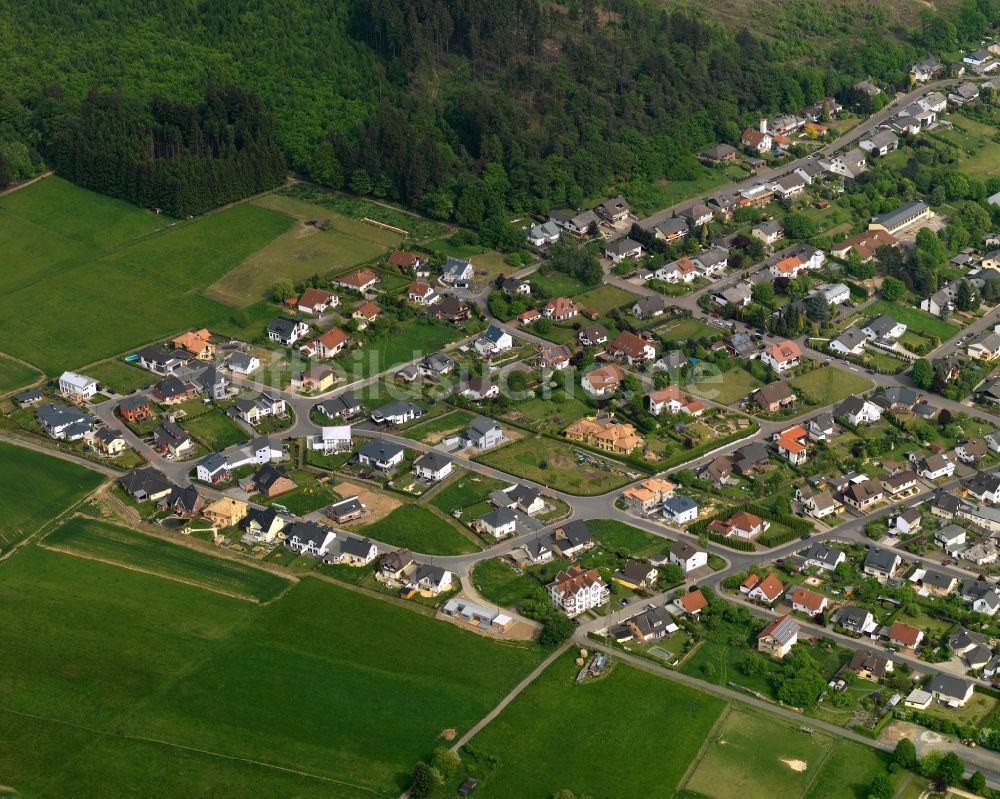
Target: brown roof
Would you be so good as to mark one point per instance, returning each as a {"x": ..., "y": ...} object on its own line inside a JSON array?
[
  {"x": 332, "y": 338},
  {"x": 606, "y": 376},
  {"x": 808, "y": 599},
  {"x": 402, "y": 258},
  {"x": 905, "y": 634},
  {"x": 419, "y": 288},
  {"x": 771, "y": 587},
  {"x": 358, "y": 278},
  {"x": 574, "y": 578},
  {"x": 774, "y": 392},
  {"x": 628, "y": 344},
  {"x": 784, "y": 351},
  {"x": 745, "y": 521},
  {"x": 312, "y": 297},
  {"x": 693, "y": 601},
  {"x": 369, "y": 310}
]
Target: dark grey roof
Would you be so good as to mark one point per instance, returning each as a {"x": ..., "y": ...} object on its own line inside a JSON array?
[
  {"x": 264, "y": 517},
  {"x": 307, "y": 532},
  {"x": 359, "y": 547},
  {"x": 284, "y": 327},
  {"x": 480, "y": 426},
  {"x": 146, "y": 480},
  {"x": 499, "y": 517},
  {"x": 897, "y": 216},
  {"x": 379, "y": 450},
  {"x": 339, "y": 405},
  {"x": 267, "y": 475},
  {"x": 577, "y": 533},
  {"x": 883, "y": 560},
  {"x": 949, "y": 686},
  {"x": 880, "y": 325},
  {"x": 435, "y": 461}
]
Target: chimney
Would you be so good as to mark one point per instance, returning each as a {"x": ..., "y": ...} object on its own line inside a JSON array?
[{"x": 763, "y": 126}]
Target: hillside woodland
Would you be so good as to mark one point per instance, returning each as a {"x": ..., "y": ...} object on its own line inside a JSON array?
[{"x": 465, "y": 109}]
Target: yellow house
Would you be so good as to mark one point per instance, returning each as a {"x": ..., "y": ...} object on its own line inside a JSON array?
[{"x": 226, "y": 512}]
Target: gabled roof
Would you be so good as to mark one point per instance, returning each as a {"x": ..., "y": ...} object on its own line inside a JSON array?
[{"x": 782, "y": 630}]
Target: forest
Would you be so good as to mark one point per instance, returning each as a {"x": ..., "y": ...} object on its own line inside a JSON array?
[{"x": 464, "y": 109}]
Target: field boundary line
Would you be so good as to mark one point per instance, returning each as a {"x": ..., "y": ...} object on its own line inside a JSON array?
[
  {"x": 132, "y": 568},
  {"x": 819, "y": 766},
  {"x": 47, "y": 528},
  {"x": 171, "y": 744},
  {"x": 40, "y": 379},
  {"x": 703, "y": 749}
]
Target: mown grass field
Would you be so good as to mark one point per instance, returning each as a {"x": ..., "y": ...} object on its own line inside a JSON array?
[
  {"x": 121, "y": 275},
  {"x": 14, "y": 375},
  {"x": 301, "y": 251},
  {"x": 35, "y": 488},
  {"x": 625, "y": 539},
  {"x": 685, "y": 330},
  {"x": 829, "y": 384},
  {"x": 604, "y": 298},
  {"x": 554, "y": 464},
  {"x": 543, "y": 743},
  {"x": 727, "y": 388},
  {"x": 432, "y": 431},
  {"x": 215, "y": 430},
  {"x": 133, "y": 550},
  {"x": 419, "y": 529},
  {"x": 416, "y": 339},
  {"x": 207, "y": 680},
  {"x": 120, "y": 376}
]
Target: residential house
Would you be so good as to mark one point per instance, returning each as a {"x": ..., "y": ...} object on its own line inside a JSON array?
[
  {"x": 614, "y": 209},
  {"x": 365, "y": 314},
  {"x": 636, "y": 575},
  {"x": 789, "y": 267},
  {"x": 397, "y": 412},
  {"x": 225, "y": 512},
  {"x": 821, "y": 556},
  {"x": 740, "y": 525},
  {"x": 382, "y": 455},
  {"x": 774, "y": 396},
  {"x": 603, "y": 381},
  {"x": 571, "y": 539},
  {"x": 135, "y": 408},
  {"x": 864, "y": 494},
  {"x": 618, "y": 250},
  {"x": 971, "y": 451},
  {"x": 871, "y": 666},
  {"x": 769, "y": 231},
  {"x": 213, "y": 468},
  {"x": 899, "y": 482},
  {"x": 986, "y": 348},
  {"x": 984, "y": 486},
  {"x": 808, "y": 602},
  {"x": 493, "y": 342},
  {"x": 254, "y": 410},
  {"x": 672, "y": 230},
  {"x": 851, "y": 341},
  {"x": 515, "y": 286},
  {"x": 242, "y": 363},
  {"x": 934, "y": 467},
  {"x": 821, "y": 427},
  {"x": 604, "y": 434},
  {"x": 881, "y": 564},
  {"x": 593, "y": 334},
  {"x": 950, "y": 690},
  {"x": 650, "y": 625},
  {"x": 905, "y": 636},
  {"x": 688, "y": 556},
  {"x": 712, "y": 262},
  {"x": 318, "y": 377},
  {"x": 309, "y": 538},
  {"x": 865, "y": 244},
  {"x": 345, "y": 510},
  {"x": 631, "y": 348},
  {"x": 483, "y": 433},
  {"x": 691, "y": 604},
  {"x": 819, "y": 504},
  {"x": 543, "y": 234},
  {"x": 169, "y": 439},
  {"x": 327, "y": 345},
  {"x": 109, "y": 443},
  {"x": 172, "y": 390},
  {"x": 560, "y": 309},
  {"x": 554, "y": 356},
  {"x": 854, "y": 619},
  {"x": 883, "y": 327},
  {"x": 283, "y": 330},
  {"x": 782, "y": 355},
  {"x": 680, "y": 509},
  {"x": 77, "y": 387},
  {"x": 457, "y": 272},
  {"x": 269, "y": 480},
  {"x": 331, "y": 439},
  {"x": 421, "y": 293},
  {"x": 672, "y": 400},
  {"x": 833, "y": 293},
  {"x": 778, "y": 637},
  {"x": 498, "y": 523},
  {"x": 575, "y": 590},
  {"x": 450, "y": 309},
  {"x": 881, "y": 142},
  {"x": 478, "y": 388},
  {"x": 718, "y": 153},
  {"x": 849, "y": 165},
  {"x": 351, "y": 551},
  {"x": 924, "y": 70},
  {"x": 158, "y": 360},
  {"x": 858, "y": 411},
  {"x": 648, "y": 495},
  {"x": 757, "y": 140},
  {"x": 145, "y": 484},
  {"x": 648, "y": 307},
  {"x": 578, "y": 224},
  {"x": 343, "y": 406}
]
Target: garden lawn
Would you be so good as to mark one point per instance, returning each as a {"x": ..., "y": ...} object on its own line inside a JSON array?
[
  {"x": 602, "y": 761},
  {"x": 646, "y": 198},
  {"x": 133, "y": 550},
  {"x": 122, "y": 275},
  {"x": 121, "y": 377},
  {"x": 215, "y": 430},
  {"x": 919, "y": 321},
  {"x": 828, "y": 384},
  {"x": 604, "y": 298},
  {"x": 551, "y": 414},
  {"x": 308, "y": 495},
  {"x": 554, "y": 464},
  {"x": 727, "y": 388},
  {"x": 15, "y": 375},
  {"x": 35, "y": 488},
  {"x": 419, "y": 529},
  {"x": 557, "y": 284},
  {"x": 465, "y": 490},
  {"x": 685, "y": 330},
  {"x": 432, "y": 431},
  {"x": 203, "y": 678},
  {"x": 848, "y": 771},
  {"x": 302, "y": 251},
  {"x": 753, "y": 755},
  {"x": 497, "y": 581}
]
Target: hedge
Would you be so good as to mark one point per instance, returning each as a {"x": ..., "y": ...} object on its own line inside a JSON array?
[
  {"x": 777, "y": 539},
  {"x": 876, "y": 731}
]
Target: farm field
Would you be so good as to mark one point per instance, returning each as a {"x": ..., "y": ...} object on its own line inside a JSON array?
[
  {"x": 121, "y": 377},
  {"x": 85, "y": 261},
  {"x": 419, "y": 529},
  {"x": 554, "y": 464},
  {"x": 35, "y": 488},
  {"x": 187, "y": 670},
  {"x": 755, "y": 756},
  {"x": 15, "y": 375},
  {"x": 301, "y": 251},
  {"x": 133, "y": 550},
  {"x": 727, "y": 388},
  {"x": 915, "y": 319},
  {"x": 215, "y": 430},
  {"x": 604, "y": 298},
  {"x": 829, "y": 384},
  {"x": 601, "y": 762}
]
